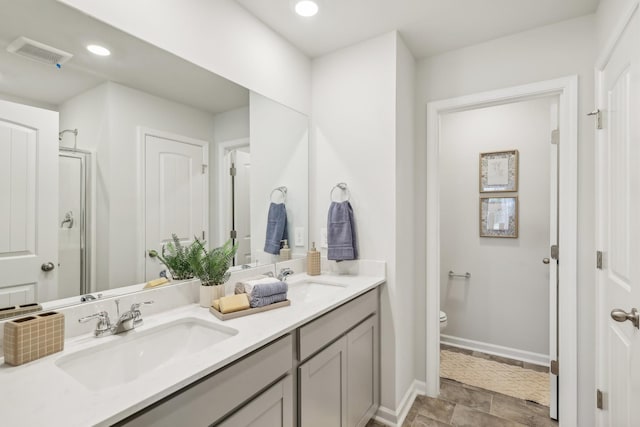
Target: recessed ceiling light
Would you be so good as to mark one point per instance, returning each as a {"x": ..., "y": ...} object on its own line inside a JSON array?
[
  {"x": 306, "y": 8},
  {"x": 98, "y": 50}
]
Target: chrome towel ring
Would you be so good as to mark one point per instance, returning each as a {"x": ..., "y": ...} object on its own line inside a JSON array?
[
  {"x": 342, "y": 186},
  {"x": 282, "y": 190}
]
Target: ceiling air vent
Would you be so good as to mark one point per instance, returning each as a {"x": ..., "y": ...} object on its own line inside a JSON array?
[{"x": 38, "y": 51}]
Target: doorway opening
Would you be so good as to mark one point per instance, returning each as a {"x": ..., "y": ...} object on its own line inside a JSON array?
[{"x": 457, "y": 291}]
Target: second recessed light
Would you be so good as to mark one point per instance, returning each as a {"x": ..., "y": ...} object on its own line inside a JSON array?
[
  {"x": 98, "y": 50},
  {"x": 306, "y": 8}
]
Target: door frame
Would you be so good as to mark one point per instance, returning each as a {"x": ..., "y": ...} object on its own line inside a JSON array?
[
  {"x": 222, "y": 173},
  {"x": 566, "y": 89},
  {"x": 602, "y": 311},
  {"x": 142, "y": 132}
]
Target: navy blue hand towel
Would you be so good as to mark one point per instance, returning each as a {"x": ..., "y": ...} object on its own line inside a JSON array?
[
  {"x": 276, "y": 228},
  {"x": 341, "y": 232}
]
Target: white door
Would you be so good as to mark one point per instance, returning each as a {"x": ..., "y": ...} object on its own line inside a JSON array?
[
  {"x": 553, "y": 263},
  {"x": 176, "y": 193},
  {"x": 28, "y": 203},
  {"x": 618, "y": 181}
]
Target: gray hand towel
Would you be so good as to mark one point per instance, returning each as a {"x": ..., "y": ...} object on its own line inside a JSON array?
[
  {"x": 276, "y": 228},
  {"x": 268, "y": 289},
  {"x": 341, "y": 232},
  {"x": 271, "y": 299}
]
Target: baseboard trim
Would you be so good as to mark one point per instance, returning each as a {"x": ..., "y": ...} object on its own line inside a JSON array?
[
  {"x": 496, "y": 350},
  {"x": 392, "y": 418}
]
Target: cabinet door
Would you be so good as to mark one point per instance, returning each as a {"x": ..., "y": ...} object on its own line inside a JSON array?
[
  {"x": 272, "y": 408},
  {"x": 323, "y": 387},
  {"x": 362, "y": 372}
]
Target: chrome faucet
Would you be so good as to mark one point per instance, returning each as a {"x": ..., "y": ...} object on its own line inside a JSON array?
[
  {"x": 284, "y": 273},
  {"x": 127, "y": 321}
]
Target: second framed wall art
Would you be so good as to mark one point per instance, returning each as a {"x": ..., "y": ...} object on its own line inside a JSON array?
[{"x": 499, "y": 216}]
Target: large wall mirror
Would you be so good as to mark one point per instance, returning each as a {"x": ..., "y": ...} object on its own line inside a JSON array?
[{"x": 103, "y": 158}]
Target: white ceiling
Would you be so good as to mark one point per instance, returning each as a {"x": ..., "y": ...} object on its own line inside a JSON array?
[
  {"x": 132, "y": 62},
  {"x": 427, "y": 26}
]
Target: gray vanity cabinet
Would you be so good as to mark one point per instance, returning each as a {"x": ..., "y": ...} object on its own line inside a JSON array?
[
  {"x": 211, "y": 399},
  {"x": 339, "y": 385},
  {"x": 272, "y": 408},
  {"x": 323, "y": 387},
  {"x": 332, "y": 362},
  {"x": 362, "y": 372}
]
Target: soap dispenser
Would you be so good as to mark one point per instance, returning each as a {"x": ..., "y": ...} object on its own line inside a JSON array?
[
  {"x": 285, "y": 252},
  {"x": 313, "y": 261}
]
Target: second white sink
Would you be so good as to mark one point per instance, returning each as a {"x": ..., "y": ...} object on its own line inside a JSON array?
[
  {"x": 310, "y": 290},
  {"x": 134, "y": 354}
]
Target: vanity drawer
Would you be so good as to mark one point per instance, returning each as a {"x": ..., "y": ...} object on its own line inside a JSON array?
[
  {"x": 317, "y": 334},
  {"x": 213, "y": 397}
]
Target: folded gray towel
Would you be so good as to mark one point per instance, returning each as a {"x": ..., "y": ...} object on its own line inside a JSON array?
[
  {"x": 271, "y": 299},
  {"x": 268, "y": 289},
  {"x": 341, "y": 232},
  {"x": 241, "y": 287},
  {"x": 276, "y": 228}
]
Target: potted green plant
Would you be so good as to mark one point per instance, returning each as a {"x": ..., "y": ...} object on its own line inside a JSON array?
[
  {"x": 177, "y": 258},
  {"x": 212, "y": 268}
]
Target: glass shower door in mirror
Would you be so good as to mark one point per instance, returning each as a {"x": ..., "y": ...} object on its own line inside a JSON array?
[{"x": 74, "y": 202}]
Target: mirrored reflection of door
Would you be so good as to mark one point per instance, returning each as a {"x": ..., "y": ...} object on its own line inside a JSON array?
[
  {"x": 238, "y": 223},
  {"x": 28, "y": 204},
  {"x": 73, "y": 247},
  {"x": 176, "y": 193}
]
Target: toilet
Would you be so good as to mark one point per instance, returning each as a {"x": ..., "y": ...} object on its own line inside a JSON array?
[{"x": 443, "y": 320}]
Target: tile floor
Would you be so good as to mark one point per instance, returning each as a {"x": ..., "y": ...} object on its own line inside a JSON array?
[{"x": 463, "y": 405}]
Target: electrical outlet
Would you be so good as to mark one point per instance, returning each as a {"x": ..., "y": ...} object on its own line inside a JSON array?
[
  {"x": 299, "y": 236},
  {"x": 323, "y": 237}
]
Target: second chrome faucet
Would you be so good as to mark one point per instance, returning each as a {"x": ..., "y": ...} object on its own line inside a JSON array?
[{"x": 126, "y": 321}]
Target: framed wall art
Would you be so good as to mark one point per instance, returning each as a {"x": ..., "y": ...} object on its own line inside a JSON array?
[
  {"x": 499, "y": 171},
  {"x": 499, "y": 216}
]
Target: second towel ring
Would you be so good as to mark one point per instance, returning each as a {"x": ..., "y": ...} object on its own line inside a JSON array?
[
  {"x": 282, "y": 190},
  {"x": 342, "y": 186}
]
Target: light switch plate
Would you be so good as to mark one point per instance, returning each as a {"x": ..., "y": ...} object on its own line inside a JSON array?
[
  {"x": 323, "y": 237},
  {"x": 299, "y": 236}
]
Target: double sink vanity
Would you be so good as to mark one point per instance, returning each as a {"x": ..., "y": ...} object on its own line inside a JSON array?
[{"x": 314, "y": 362}]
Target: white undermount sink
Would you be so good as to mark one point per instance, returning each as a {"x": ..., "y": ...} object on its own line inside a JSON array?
[
  {"x": 310, "y": 289},
  {"x": 129, "y": 356}
]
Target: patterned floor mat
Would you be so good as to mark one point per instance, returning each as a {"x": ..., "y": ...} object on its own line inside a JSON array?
[{"x": 495, "y": 376}]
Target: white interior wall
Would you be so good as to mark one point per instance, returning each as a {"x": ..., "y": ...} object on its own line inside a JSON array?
[
  {"x": 405, "y": 215},
  {"x": 230, "y": 125},
  {"x": 107, "y": 119},
  {"x": 218, "y": 35},
  {"x": 279, "y": 157},
  {"x": 355, "y": 99},
  {"x": 506, "y": 300},
  {"x": 608, "y": 17},
  {"x": 544, "y": 53}
]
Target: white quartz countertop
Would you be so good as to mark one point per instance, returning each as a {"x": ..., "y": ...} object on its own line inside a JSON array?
[{"x": 40, "y": 393}]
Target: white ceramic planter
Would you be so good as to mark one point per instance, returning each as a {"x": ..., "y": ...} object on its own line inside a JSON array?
[{"x": 209, "y": 293}]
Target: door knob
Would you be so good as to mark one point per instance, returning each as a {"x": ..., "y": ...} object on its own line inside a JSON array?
[
  {"x": 47, "y": 266},
  {"x": 545, "y": 260},
  {"x": 621, "y": 316}
]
